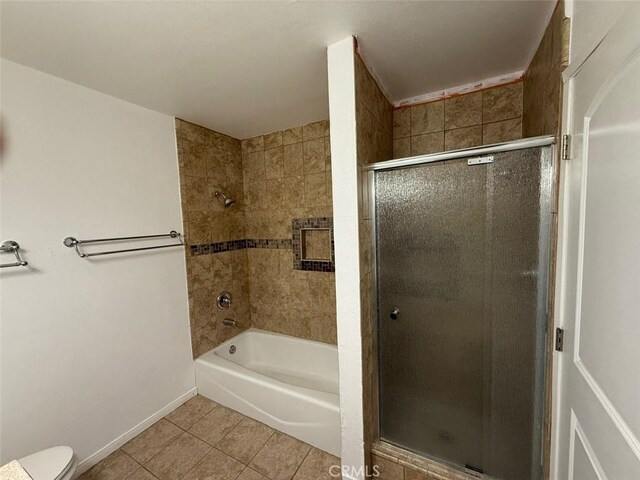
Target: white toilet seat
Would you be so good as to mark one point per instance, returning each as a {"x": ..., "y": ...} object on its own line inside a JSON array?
[{"x": 57, "y": 463}]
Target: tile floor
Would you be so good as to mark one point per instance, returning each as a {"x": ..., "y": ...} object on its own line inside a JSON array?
[{"x": 203, "y": 440}]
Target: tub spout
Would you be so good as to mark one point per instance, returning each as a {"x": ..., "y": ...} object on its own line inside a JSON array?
[{"x": 229, "y": 322}]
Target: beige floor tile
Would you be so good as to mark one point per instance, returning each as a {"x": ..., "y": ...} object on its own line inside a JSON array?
[
  {"x": 280, "y": 457},
  {"x": 152, "y": 440},
  {"x": 216, "y": 424},
  {"x": 249, "y": 474},
  {"x": 178, "y": 457},
  {"x": 318, "y": 465},
  {"x": 245, "y": 440},
  {"x": 141, "y": 474},
  {"x": 216, "y": 466},
  {"x": 116, "y": 466},
  {"x": 191, "y": 411}
]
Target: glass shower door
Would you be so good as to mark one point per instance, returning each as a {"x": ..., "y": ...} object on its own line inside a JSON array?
[{"x": 462, "y": 257}]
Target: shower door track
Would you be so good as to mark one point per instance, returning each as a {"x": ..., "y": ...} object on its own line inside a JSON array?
[{"x": 467, "y": 152}]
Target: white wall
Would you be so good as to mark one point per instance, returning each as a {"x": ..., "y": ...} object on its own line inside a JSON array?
[
  {"x": 89, "y": 348},
  {"x": 590, "y": 21},
  {"x": 342, "y": 115}
]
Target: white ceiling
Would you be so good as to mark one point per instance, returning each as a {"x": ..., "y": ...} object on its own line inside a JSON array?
[{"x": 247, "y": 68}]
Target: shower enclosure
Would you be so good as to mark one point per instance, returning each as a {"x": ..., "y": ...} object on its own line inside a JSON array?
[{"x": 462, "y": 264}]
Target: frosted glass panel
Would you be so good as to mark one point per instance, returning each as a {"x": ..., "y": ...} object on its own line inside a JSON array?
[{"x": 462, "y": 255}]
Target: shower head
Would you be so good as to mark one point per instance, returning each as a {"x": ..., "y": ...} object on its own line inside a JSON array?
[{"x": 228, "y": 201}]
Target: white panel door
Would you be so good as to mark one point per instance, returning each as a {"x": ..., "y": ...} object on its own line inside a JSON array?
[{"x": 597, "y": 417}]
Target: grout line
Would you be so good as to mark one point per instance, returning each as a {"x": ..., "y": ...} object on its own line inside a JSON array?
[
  {"x": 172, "y": 423},
  {"x": 126, "y": 455},
  {"x": 148, "y": 471},
  {"x": 199, "y": 418},
  {"x": 168, "y": 445},
  {"x": 264, "y": 445},
  {"x": 198, "y": 462},
  {"x": 305, "y": 457},
  {"x": 227, "y": 434}
]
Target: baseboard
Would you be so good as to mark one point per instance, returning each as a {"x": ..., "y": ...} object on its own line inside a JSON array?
[{"x": 111, "y": 447}]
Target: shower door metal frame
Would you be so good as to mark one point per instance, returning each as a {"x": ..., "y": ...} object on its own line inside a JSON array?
[{"x": 540, "y": 141}]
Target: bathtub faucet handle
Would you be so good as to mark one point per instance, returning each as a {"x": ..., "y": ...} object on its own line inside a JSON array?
[
  {"x": 223, "y": 300},
  {"x": 229, "y": 322}
]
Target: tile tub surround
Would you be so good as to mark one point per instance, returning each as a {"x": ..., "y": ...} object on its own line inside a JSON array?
[
  {"x": 274, "y": 178},
  {"x": 201, "y": 439},
  {"x": 287, "y": 176},
  {"x": 488, "y": 116},
  {"x": 208, "y": 162}
]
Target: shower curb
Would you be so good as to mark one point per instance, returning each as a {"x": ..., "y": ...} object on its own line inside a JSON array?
[{"x": 435, "y": 470}]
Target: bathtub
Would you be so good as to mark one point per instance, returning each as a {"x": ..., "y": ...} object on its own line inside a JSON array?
[{"x": 288, "y": 383}]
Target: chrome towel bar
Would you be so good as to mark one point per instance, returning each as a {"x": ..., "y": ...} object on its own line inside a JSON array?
[
  {"x": 9, "y": 246},
  {"x": 75, "y": 243}
]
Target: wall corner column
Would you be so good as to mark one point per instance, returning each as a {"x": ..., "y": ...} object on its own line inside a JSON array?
[{"x": 342, "y": 114}]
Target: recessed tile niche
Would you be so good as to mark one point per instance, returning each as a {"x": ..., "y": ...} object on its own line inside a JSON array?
[
  {"x": 313, "y": 244},
  {"x": 316, "y": 244}
]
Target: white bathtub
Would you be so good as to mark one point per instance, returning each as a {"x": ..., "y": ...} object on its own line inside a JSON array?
[{"x": 288, "y": 383}]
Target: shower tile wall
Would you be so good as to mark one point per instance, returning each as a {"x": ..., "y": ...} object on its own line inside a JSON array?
[
  {"x": 374, "y": 118},
  {"x": 287, "y": 175},
  {"x": 247, "y": 249},
  {"x": 210, "y": 162},
  {"x": 488, "y": 116},
  {"x": 374, "y": 126},
  {"x": 543, "y": 78}
]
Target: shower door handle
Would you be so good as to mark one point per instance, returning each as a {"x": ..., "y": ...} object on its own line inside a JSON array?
[{"x": 395, "y": 313}]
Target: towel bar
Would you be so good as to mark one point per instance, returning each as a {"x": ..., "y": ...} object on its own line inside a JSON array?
[
  {"x": 75, "y": 243},
  {"x": 9, "y": 246}
]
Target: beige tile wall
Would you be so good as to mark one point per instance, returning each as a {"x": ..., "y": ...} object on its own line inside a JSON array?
[
  {"x": 209, "y": 161},
  {"x": 374, "y": 126},
  {"x": 287, "y": 175},
  {"x": 374, "y": 118},
  {"x": 274, "y": 178},
  {"x": 543, "y": 78},
  {"x": 480, "y": 118}
]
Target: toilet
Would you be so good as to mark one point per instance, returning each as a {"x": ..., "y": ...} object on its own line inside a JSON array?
[{"x": 57, "y": 463}]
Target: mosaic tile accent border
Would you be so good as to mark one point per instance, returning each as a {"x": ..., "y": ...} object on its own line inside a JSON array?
[
  {"x": 300, "y": 263},
  {"x": 219, "y": 247},
  {"x": 277, "y": 243},
  {"x": 295, "y": 243}
]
